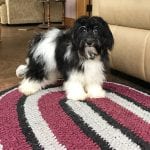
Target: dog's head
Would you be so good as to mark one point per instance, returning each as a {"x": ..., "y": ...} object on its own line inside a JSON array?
[{"x": 92, "y": 37}]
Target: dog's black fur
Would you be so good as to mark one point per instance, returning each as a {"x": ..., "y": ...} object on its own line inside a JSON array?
[
  {"x": 35, "y": 67},
  {"x": 88, "y": 38},
  {"x": 93, "y": 31}
]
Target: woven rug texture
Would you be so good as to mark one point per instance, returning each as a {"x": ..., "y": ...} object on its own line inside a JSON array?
[{"x": 49, "y": 121}]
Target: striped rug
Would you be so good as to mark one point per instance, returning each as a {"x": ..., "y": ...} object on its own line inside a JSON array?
[{"x": 48, "y": 121}]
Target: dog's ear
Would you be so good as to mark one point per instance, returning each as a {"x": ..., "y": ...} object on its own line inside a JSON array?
[
  {"x": 108, "y": 40},
  {"x": 107, "y": 37}
]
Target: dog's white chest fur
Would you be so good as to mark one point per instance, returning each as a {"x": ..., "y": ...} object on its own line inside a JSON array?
[
  {"x": 88, "y": 83},
  {"x": 93, "y": 71}
]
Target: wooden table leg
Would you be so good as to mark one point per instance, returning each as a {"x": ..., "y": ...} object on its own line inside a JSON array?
[{"x": 0, "y": 31}]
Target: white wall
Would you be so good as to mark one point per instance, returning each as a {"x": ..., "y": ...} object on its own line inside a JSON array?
[{"x": 71, "y": 9}]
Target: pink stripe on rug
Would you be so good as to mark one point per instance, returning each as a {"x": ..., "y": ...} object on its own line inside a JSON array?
[
  {"x": 66, "y": 131},
  {"x": 9, "y": 122},
  {"x": 124, "y": 117},
  {"x": 129, "y": 92}
]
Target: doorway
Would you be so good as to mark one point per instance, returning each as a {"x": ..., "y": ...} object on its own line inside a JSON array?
[{"x": 83, "y": 7}]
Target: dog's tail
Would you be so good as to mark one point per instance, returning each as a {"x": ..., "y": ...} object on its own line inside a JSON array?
[{"x": 21, "y": 71}]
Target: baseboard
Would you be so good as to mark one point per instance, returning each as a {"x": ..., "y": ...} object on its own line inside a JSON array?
[{"x": 69, "y": 22}]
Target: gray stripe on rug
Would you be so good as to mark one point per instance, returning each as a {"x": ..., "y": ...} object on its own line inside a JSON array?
[
  {"x": 114, "y": 136},
  {"x": 145, "y": 115},
  {"x": 130, "y": 88},
  {"x": 38, "y": 125}
]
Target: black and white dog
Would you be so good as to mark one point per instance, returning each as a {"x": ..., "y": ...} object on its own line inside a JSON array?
[{"x": 77, "y": 54}]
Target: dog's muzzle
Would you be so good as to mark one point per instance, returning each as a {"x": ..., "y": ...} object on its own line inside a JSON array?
[
  {"x": 88, "y": 48},
  {"x": 90, "y": 52}
]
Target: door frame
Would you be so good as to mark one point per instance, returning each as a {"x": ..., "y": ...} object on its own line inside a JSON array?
[{"x": 81, "y": 7}]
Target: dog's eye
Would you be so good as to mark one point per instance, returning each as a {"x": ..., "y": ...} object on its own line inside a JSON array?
[
  {"x": 83, "y": 29},
  {"x": 95, "y": 31}
]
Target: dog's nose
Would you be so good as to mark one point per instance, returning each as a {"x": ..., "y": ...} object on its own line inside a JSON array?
[{"x": 90, "y": 42}]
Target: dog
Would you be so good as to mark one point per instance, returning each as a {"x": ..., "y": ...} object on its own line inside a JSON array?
[{"x": 77, "y": 54}]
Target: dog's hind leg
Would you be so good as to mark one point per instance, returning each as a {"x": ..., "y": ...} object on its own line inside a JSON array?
[
  {"x": 34, "y": 74},
  {"x": 32, "y": 84},
  {"x": 21, "y": 71},
  {"x": 29, "y": 86}
]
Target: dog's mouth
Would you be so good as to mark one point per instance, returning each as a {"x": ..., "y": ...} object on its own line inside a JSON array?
[
  {"x": 90, "y": 52},
  {"x": 87, "y": 50}
]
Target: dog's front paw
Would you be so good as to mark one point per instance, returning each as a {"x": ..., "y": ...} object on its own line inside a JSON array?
[
  {"x": 76, "y": 96},
  {"x": 74, "y": 91},
  {"x": 28, "y": 87},
  {"x": 95, "y": 91}
]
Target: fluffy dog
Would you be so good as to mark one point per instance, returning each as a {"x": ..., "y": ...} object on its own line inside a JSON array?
[{"x": 77, "y": 54}]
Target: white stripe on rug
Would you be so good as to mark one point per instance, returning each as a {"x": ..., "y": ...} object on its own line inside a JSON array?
[
  {"x": 3, "y": 95},
  {"x": 145, "y": 115},
  {"x": 113, "y": 136},
  {"x": 1, "y": 147},
  {"x": 130, "y": 88},
  {"x": 38, "y": 125}
]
